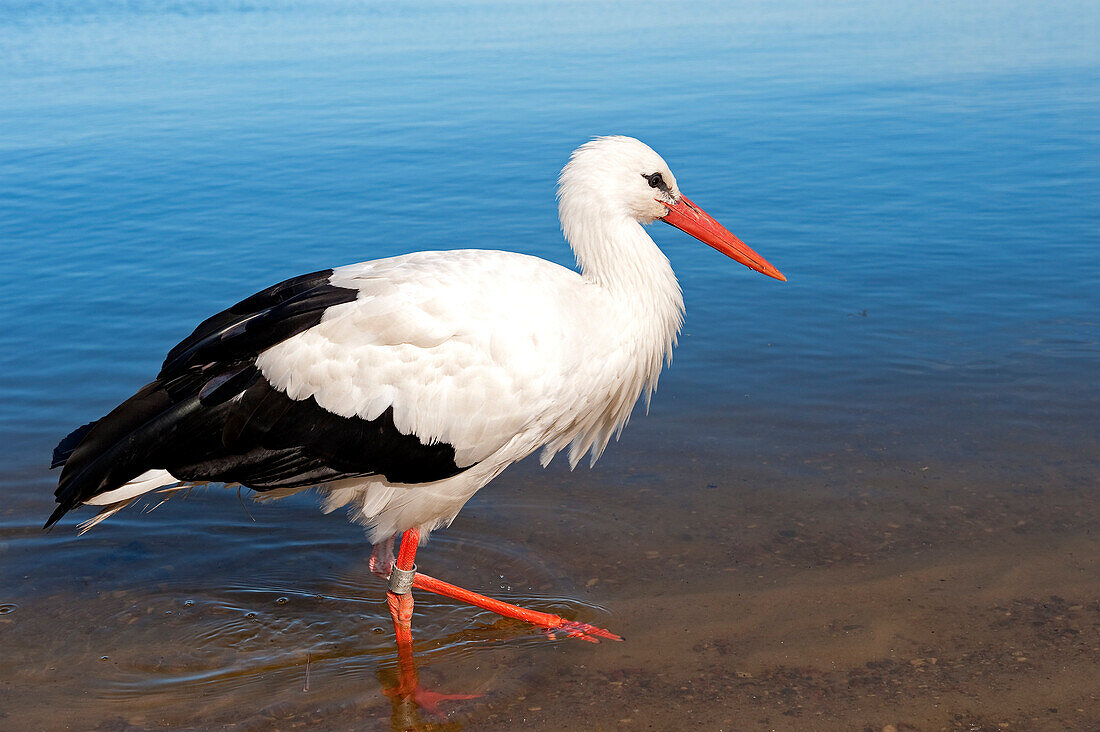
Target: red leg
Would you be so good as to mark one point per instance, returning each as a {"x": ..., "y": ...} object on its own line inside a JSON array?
[
  {"x": 401, "y": 606},
  {"x": 401, "y": 610},
  {"x": 552, "y": 623}
]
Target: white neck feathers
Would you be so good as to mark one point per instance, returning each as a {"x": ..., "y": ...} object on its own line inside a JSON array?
[{"x": 615, "y": 254}]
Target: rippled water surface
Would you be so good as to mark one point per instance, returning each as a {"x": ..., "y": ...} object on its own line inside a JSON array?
[{"x": 865, "y": 497}]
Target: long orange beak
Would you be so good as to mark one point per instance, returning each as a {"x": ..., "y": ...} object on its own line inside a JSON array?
[{"x": 690, "y": 219}]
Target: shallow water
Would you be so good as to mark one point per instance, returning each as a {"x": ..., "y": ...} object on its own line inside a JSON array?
[{"x": 865, "y": 497}]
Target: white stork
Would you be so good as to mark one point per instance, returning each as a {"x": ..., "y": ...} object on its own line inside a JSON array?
[{"x": 401, "y": 386}]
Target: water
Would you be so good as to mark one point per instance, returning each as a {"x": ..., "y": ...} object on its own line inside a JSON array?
[{"x": 911, "y": 421}]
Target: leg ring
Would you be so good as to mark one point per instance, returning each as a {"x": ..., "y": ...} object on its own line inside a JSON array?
[{"x": 401, "y": 580}]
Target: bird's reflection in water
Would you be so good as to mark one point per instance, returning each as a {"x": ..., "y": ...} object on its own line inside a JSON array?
[{"x": 414, "y": 706}]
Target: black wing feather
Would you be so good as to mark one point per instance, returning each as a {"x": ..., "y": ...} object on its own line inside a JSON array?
[
  {"x": 261, "y": 301},
  {"x": 258, "y": 323}
]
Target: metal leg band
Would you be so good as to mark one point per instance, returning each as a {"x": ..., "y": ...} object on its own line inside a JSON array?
[{"x": 401, "y": 580}]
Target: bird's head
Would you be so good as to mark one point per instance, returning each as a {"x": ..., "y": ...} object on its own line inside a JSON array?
[{"x": 617, "y": 176}]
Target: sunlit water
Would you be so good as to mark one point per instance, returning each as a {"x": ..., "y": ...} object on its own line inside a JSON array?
[{"x": 927, "y": 177}]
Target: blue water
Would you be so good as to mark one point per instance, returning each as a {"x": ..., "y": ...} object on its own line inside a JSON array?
[{"x": 926, "y": 175}]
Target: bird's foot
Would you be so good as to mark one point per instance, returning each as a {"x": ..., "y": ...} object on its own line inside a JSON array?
[
  {"x": 381, "y": 558},
  {"x": 581, "y": 631}
]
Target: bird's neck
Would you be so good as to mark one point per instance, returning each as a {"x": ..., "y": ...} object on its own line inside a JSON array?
[
  {"x": 645, "y": 309},
  {"x": 618, "y": 256}
]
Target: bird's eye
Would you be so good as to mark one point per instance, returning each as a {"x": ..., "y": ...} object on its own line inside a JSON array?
[{"x": 656, "y": 180}]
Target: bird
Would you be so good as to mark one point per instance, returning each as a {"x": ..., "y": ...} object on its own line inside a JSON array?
[{"x": 400, "y": 387}]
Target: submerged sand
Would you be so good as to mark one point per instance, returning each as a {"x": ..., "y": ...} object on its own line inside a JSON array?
[{"x": 826, "y": 593}]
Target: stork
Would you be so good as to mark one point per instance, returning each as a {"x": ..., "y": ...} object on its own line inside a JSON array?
[{"x": 399, "y": 387}]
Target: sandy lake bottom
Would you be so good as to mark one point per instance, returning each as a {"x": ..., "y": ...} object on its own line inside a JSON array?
[{"x": 856, "y": 595}]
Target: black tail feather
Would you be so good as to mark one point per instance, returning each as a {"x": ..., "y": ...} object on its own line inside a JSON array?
[
  {"x": 56, "y": 516},
  {"x": 101, "y": 455}
]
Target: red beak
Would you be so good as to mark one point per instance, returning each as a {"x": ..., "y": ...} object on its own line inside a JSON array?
[{"x": 690, "y": 219}]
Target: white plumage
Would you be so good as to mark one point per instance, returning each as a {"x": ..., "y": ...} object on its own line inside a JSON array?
[{"x": 493, "y": 353}]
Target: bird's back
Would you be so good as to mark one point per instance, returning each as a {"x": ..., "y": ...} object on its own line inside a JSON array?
[
  {"x": 469, "y": 348},
  {"x": 410, "y": 369}
]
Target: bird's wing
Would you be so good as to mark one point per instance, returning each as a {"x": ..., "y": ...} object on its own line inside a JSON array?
[
  {"x": 412, "y": 368},
  {"x": 465, "y": 347}
]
